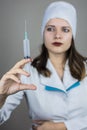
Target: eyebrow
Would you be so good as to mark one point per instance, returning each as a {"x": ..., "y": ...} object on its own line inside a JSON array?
[
  {"x": 50, "y": 25},
  {"x": 55, "y": 26}
]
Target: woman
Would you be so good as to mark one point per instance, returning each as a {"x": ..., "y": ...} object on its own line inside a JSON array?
[{"x": 55, "y": 88}]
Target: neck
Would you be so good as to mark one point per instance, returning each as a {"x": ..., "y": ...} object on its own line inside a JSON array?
[{"x": 58, "y": 61}]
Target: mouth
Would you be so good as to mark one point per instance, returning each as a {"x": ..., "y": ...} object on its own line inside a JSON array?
[{"x": 57, "y": 43}]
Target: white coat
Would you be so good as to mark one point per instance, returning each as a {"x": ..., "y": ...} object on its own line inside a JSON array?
[{"x": 55, "y": 100}]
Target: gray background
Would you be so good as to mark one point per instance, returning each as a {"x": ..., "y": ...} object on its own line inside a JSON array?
[{"x": 12, "y": 16}]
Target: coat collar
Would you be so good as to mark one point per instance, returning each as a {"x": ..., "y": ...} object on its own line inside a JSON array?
[{"x": 54, "y": 80}]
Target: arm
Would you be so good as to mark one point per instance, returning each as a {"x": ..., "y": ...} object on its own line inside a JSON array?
[
  {"x": 2, "y": 100},
  {"x": 10, "y": 89},
  {"x": 10, "y": 104},
  {"x": 48, "y": 125},
  {"x": 72, "y": 124}
]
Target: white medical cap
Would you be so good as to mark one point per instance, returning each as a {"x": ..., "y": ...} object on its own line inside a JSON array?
[{"x": 62, "y": 10}]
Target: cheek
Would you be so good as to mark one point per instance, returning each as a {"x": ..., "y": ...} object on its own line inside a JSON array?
[
  {"x": 68, "y": 45},
  {"x": 68, "y": 36},
  {"x": 68, "y": 39},
  {"x": 47, "y": 39}
]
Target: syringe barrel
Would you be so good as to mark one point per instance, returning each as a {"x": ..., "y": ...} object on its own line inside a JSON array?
[{"x": 26, "y": 45}]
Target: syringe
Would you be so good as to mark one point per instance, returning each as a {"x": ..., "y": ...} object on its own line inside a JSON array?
[
  {"x": 26, "y": 47},
  {"x": 26, "y": 44}
]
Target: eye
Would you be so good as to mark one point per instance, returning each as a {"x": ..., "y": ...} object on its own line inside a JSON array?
[
  {"x": 65, "y": 29},
  {"x": 50, "y": 29}
]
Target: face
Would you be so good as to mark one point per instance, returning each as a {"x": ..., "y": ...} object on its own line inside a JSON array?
[{"x": 57, "y": 36}]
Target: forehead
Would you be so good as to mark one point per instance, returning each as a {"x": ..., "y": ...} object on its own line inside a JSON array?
[{"x": 58, "y": 22}]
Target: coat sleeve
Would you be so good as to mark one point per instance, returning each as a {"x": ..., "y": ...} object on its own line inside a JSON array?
[
  {"x": 77, "y": 124},
  {"x": 11, "y": 103}
]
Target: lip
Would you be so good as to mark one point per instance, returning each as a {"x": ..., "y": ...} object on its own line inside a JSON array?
[{"x": 57, "y": 43}]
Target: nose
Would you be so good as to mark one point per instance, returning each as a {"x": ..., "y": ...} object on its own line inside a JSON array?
[{"x": 58, "y": 35}]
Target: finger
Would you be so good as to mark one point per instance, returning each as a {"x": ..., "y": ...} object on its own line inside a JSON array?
[
  {"x": 27, "y": 87},
  {"x": 39, "y": 122},
  {"x": 18, "y": 87},
  {"x": 18, "y": 71},
  {"x": 12, "y": 77},
  {"x": 22, "y": 63}
]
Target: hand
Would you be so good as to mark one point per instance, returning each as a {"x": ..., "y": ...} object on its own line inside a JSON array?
[
  {"x": 10, "y": 83},
  {"x": 48, "y": 125}
]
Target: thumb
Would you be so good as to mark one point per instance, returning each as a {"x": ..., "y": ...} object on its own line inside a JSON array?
[{"x": 27, "y": 87}]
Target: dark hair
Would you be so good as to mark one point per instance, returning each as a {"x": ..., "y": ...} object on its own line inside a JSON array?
[{"x": 76, "y": 62}]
